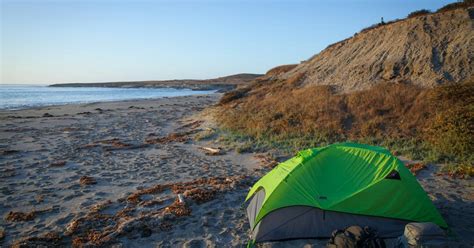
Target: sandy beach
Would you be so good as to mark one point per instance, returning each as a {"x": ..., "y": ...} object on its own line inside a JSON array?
[{"x": 109, "y": 174}]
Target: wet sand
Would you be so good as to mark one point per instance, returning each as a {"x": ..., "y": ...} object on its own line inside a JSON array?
[{"x": 109, "y": 174}]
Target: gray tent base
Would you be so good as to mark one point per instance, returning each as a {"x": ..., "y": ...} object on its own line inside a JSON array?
[{"x": 308, "y": 222}]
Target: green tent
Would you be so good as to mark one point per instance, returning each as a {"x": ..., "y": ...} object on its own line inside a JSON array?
[{"x": 328, "y": 188}]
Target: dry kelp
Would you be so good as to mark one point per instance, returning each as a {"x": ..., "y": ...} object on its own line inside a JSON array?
[
  {"x": 178, "y": 208},
  {"x": 87, "y": 180},
  {"x": 266, "y": 160},
  {"x": 20, "y": 216},
  {"x": 172, "y": 137},
  {"x": 8, "y": 152},
  {"x": 51, "y": 239},
  {"x": 13, "y": 216},
  {"x": 139, "y": 216},
  {"x": 59, "y": 163},
  {"x": 192, "y": 125},
  {"x": 113, "y": 144},
  {"x": 415, "y": 168}
]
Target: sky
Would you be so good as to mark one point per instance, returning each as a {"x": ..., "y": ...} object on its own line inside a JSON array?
[{"x": 66, "y": 41}]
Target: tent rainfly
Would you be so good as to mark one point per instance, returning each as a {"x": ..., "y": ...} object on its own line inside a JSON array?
[{"x": 333, "y": 187}]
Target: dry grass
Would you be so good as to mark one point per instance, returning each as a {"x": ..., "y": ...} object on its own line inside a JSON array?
[
  {"x": 386, "y": 110},
  {"x": 233, "y": 95},
  {"x": 280, "y": 70},
  {"x": 438, "y": 121}
]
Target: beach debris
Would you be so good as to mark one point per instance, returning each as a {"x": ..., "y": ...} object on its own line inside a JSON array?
[
  {"x": 192, "y": 125},
  {"x": 84, "y": 113},
  {"x": 181, "y": 198},
  {"x": 150, "y": 203},
  {"x": 100, "y": 206},
  {"x": 166, "y": 226},
  {"x": 266, "y": 160},
  {"x": 2, "y": 234},
  {"x": 13, "y": 216},
  {"x": 87, "y": 180},
  {"x": 7, "y": 172},
  {"x": 39, "y": 198},
  {"x": 132, "y": 221},
  {"x": 212, "y": 151},
  {"x": 90, "y": 145},
  {"x": 59, "y": 163},
  {"x": 69, "y": 129},
  {"x": 91, "y": 238},
  {"x": 115, "y": 142},
  {"x": 200, "y": 195},
  {"x": 178, "y": 208},
  {"x": 20, "y": 216},
  {"x": 112, "y": 144},
  {"x": 8, "y": 152},
  {"x": 135, "y": 107},
  {"x": 129, "y": 147},
  {"x": 48, "y": 115},
  {"x": 125, "y": 213},
  {"x": 172, "y": 137},
  {"x": 135, "y": 197},
  {"x": 415, "y": 168},
  {"x": 50, "y": 239}
]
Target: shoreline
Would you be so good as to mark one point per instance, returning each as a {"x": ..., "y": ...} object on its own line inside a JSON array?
[{"x": 100, "y": 102}]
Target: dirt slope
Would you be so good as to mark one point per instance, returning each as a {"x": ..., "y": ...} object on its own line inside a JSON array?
[{"x": 426, "y": 51}]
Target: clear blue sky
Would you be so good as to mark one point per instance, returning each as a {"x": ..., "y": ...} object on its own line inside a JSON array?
[{"x": 94, "y": 41}]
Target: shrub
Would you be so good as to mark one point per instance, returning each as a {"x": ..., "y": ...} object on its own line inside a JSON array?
[
  {"x": 451, "y": 128},
  {"x": 233, "y": 95},
  {"x": 457, "y": 5},
  {"x": 420, "y": 12}
]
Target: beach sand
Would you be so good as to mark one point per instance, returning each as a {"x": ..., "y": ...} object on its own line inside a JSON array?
[{"x": 109, "y": 174}]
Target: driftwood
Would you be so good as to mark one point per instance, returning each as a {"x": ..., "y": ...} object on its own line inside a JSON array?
[{"x": 212, "y": 151}]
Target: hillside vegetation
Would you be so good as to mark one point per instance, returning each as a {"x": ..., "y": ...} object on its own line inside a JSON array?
[
  {"x": 424, "y": 109},
  {"x": 220, "y": 83}
]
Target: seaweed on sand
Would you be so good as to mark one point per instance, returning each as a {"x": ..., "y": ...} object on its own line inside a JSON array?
[
  {"x": 20, "y": 216},
  {"x": 172, "y": 137},
  {"x": 51, "y": 239},
  {"x": 179, "y": 209},
  {"x": 87, "y": 180},
  {"x": 415, "y": 168}
]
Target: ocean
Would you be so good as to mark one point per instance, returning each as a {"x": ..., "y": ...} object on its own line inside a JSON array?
[{"x": 27, "y": 96}]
